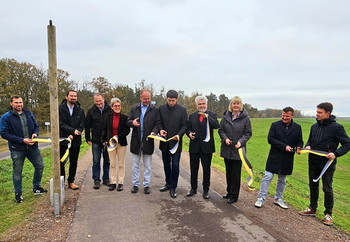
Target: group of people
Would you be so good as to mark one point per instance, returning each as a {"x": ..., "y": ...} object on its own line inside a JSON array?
[{"x": 106, "y": 129}]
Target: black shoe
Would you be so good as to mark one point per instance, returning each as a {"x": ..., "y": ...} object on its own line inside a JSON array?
[
  {"x": 225, "y": 196},
  {"x": 147, "y": 190},
  {"x": 206, "y": 195},
  {"x": 231, "y": 200},
  {"x": 96, "y": 185},
  {"x": 173, "y": 193},
  {"x": 120, "y": 187},
  {"x": 39, "y": 190},
  {"x": 112, "y": 187},
  {"x": 191, "y": 192},
  {"x": 18, "y": 198},
  {"x": 134, "y": 189},
  {"x": 165, "y": 188},
  {"x": 106, "y": 182}
]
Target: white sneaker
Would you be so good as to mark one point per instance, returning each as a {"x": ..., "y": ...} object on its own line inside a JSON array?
[
  {"x": 259, "y": 202},
  {"x": 280, "y": 203}
]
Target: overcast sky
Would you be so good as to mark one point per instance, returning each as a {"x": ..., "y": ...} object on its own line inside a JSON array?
[{"x": 272, "y": 53}]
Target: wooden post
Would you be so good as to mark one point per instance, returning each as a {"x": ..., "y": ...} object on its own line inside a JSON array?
[{"x": 54, "y": 118}]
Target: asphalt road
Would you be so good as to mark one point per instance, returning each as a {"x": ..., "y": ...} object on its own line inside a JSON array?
[
  {"x": 103, "y": 215},
  {"x": 6, "y": 154}
]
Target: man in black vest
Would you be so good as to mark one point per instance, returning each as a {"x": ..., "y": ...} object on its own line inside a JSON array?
[{"x": 201, "y": 144}]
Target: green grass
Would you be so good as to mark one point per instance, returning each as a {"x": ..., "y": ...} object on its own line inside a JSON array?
[
  {"x": 11, "y": 213},
  {"x": 297, "y": 188}
]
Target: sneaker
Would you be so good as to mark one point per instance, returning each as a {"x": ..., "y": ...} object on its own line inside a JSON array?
[
  {"x": 18, "y": 198},
  {"x": 280, "y": 203},
  {"x": 96, "y": 185},
  {"x": 308, "y": 212},
  {"x": 328, "y": 220},
  {"x": 106, "y": 182},
  {"x": 39, "y": 190},
  {"x": 259, "y": 202}
]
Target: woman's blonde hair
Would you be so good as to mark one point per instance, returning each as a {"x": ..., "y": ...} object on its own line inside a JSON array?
[{"x": 235, "y": 99}]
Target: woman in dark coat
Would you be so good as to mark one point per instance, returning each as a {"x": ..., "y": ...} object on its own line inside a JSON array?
[
  {"x": 235, "y": 130},
  {"x": 115, "y": 125}
]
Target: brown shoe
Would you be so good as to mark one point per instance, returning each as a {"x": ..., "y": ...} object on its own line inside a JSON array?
[
  {"x": 328, "y": 220},
  {"x": 308, "y": 212},
  {"x": 73, "y": 186}
]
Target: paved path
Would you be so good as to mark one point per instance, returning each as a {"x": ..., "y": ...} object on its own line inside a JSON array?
[{"x": 102, "y": 215}]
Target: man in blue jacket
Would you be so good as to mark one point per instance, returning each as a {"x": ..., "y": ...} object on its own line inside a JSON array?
[
  {"x": 18, "y": 127},
  {"x": 284, "y": 137}
]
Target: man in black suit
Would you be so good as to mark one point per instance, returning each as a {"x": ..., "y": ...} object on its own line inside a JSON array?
[
  {"x": 201, "y": 144},
  {"x": 173, "y": 122}
]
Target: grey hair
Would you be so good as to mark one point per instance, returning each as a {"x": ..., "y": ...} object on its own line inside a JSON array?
[
  {"x": 201, "y": 98},
  {"x": 115, "y": 100}
]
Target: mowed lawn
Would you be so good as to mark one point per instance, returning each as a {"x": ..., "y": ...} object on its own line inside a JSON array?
[{"x": 297, "y": 188}]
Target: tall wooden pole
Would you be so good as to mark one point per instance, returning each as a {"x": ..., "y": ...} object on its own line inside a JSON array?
[{"x": 54, "y": 118}]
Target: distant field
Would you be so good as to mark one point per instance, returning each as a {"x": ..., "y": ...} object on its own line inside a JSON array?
[{"x": 297, "y": 189}]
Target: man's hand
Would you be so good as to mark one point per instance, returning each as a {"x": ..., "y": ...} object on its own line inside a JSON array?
[
  {"x": 331, "y": 156},
  {"x": 298, "y": 150},
  {"x": 77, "y": 132},
  {"x": 162, "y": 133},
  {"x": 228, "y": 142},
  {"x": 238, "y": 145},
  {"x": 34, "y": 135},
  {"x": 89, "y": 142},
  {"x": 308, "y": 147},
  {"x": 192, "y": 135},
  {"x": 289, "y": 149},
  {"x": 136, "y": 122},
  {"x": 28, "y": 141},
  {"x": 71, "y": 137}
]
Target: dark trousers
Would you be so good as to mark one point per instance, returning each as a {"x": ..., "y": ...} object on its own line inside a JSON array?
[
  {"x": 73, "y": 162},
  {"x": 194, "y": 164},
  {"x": 233, "y": 177},
  {"x": 327, "y": 180},
  {"x": 171, "y": 164}
]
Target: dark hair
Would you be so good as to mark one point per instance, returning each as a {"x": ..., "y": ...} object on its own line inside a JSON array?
[
  {"x": 15, "y": 97},
  {"x": 288, "y": 109},
  {"x": 328, "y": 107},
  {"x": 71, "y": 90},
  {"x": 172, "y": 94}
]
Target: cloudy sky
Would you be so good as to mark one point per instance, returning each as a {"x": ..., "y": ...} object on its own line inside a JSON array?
[{"x": 272, "y": 53}]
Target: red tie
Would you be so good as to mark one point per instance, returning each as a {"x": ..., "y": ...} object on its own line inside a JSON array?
[{"x": 200, "y": 118}]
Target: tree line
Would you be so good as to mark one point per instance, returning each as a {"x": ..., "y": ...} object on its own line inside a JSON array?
[{"x": 32, "y": 83}]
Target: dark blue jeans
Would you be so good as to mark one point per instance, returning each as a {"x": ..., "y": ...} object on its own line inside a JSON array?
[
  {"x": 315, "y": 169},
  {"x": 35, "y": 158},
  {"x": 171, "y": 167},
  {"x": 98, "y": 150}
]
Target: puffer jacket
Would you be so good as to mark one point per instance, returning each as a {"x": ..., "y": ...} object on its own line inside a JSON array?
[
  {"x": 238, "y": 130},
  {"x": 325, "y": 136}
]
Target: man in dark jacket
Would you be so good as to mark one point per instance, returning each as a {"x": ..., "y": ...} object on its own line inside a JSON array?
[
  {"x": 201, "y": 144},
  {"x": 18, "y": 127},
  {"x": 174, "y": 122},
  {"x": 144, "y": 120},
  {"x": 72, "y": 122},
  {"x": 94, "y": 121},
  {"x": 285, "y": 137},
  {"x": 325, "y": 135}
]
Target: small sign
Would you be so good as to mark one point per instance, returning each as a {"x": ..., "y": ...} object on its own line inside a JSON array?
[{"x": 47, "y": 123}]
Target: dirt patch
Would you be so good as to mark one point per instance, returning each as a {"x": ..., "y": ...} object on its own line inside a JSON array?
[
  {"x": 284, "y": 225},
  {"x": 43, "y": 225}
]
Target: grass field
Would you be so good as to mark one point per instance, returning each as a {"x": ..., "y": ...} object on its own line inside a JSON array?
[
  {"x": 297, "y": 189},
  {"x": 11, "y": 213}
]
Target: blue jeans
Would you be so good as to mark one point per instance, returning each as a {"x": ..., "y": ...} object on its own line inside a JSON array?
[
  {"x": 97, "y": 150},
  {"x": 147, "y": 160},
  {"x": 35, "y": 158},
  {"x": 171, "y": 168},
  {"x": 265, "y": 183}
]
